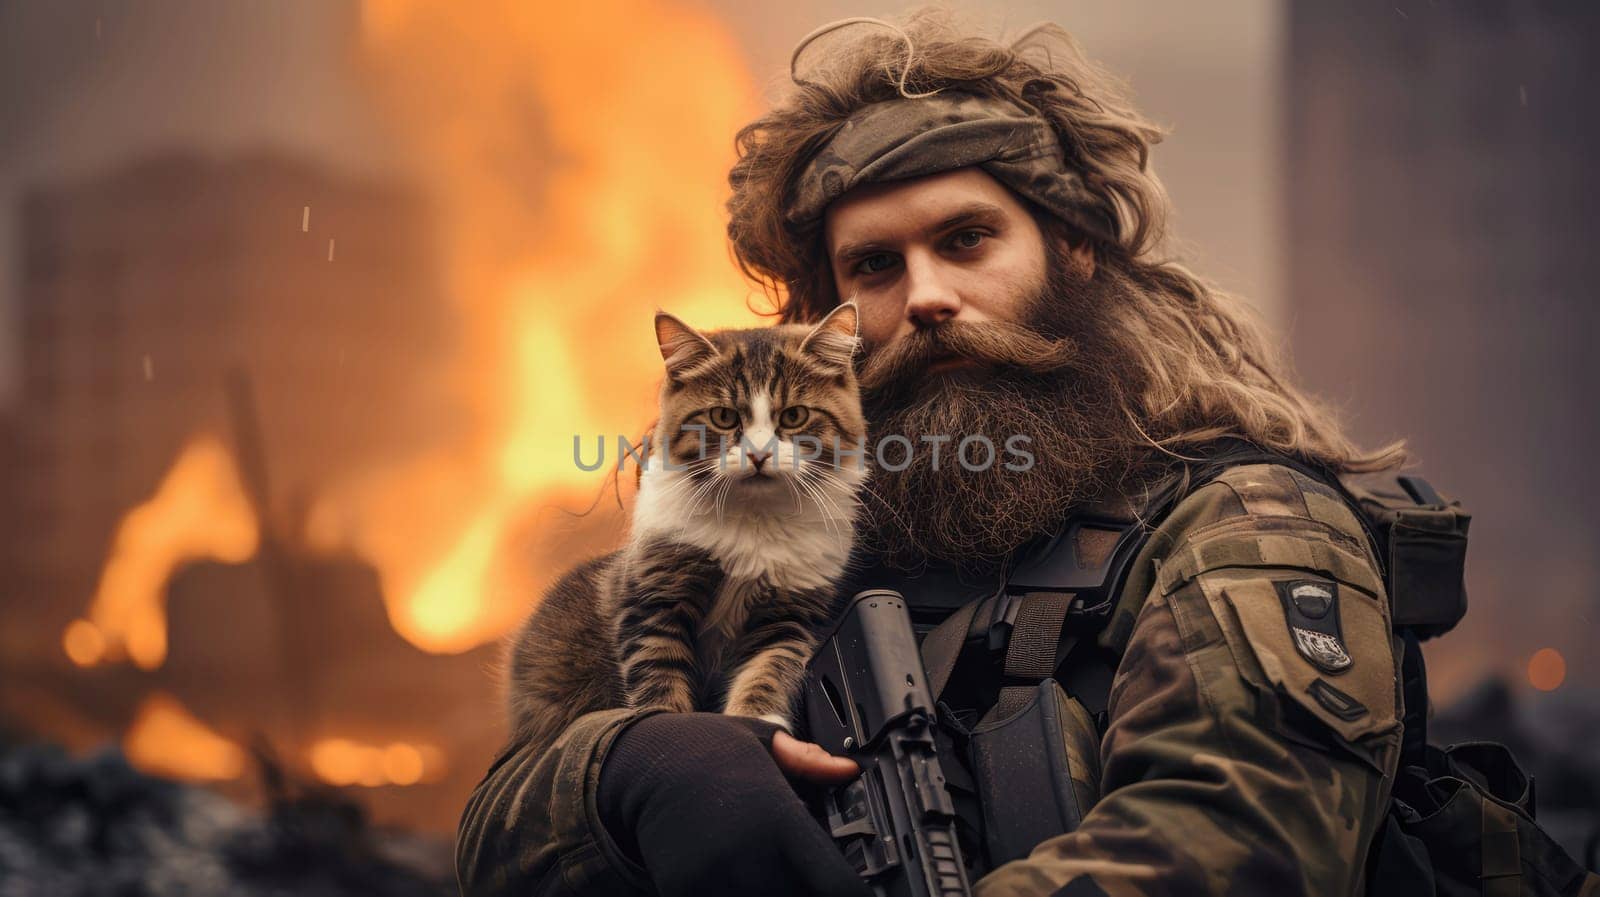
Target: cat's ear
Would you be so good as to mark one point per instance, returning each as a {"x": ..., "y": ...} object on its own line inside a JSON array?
[
  {"x": 834, "y": 339},
  {"x": 682, "y": 346}
]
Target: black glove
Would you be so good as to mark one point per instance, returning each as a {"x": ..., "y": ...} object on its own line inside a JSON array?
[{"x": 697, "y": 799}]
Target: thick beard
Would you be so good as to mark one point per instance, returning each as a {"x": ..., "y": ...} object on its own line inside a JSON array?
[{"x": 1056, "y": 380}]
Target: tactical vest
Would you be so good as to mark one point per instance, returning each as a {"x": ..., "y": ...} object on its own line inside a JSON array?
[{"x": 1026, "y": 712}]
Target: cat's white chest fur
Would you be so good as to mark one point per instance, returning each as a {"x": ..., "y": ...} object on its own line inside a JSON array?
[{"x": 788, "y": 543}]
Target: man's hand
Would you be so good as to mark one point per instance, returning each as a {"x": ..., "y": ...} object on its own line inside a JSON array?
[
  {"x": 809, "y": 762},
  {"x": 701, "y": 801}
]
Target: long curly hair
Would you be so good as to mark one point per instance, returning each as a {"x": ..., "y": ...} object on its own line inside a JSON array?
[{"x": 1205, "y": 367}]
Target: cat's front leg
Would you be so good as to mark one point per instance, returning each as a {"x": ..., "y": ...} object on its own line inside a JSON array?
[
  {"x": 666, "y": 592},
  {"x": 771, "y": 668}
]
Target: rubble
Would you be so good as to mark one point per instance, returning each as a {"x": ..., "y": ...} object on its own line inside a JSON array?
[{"x": 84, "y": 827}]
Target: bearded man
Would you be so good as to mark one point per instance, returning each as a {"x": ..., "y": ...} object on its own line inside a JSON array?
[{"x": 990, "y": 209}]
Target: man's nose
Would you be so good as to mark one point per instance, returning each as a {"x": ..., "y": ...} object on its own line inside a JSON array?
[{"x": 930, "y": 299}]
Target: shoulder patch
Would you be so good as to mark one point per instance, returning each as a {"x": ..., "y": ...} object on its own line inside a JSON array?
[
  {"x": 1311, "y": 609},
  {"x": 1319, "y": 642}
]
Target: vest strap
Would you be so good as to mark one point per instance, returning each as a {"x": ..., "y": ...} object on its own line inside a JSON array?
[{"x": 1033, "y": 649}]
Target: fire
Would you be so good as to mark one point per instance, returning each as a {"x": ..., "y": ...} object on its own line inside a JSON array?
[
  {"x": 578, "y": 158},
  {"x": 198, "y": 512},
  {"x": 578, "y": 155},
  {"x": 84, "y": 643},
  {"x": 165, "y": 739},
  {"x": 1547, "y": 669},
  {"x": 343, "y": 762}
]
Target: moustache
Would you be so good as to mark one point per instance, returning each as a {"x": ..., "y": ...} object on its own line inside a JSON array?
[{"x": 905, "y": 361}]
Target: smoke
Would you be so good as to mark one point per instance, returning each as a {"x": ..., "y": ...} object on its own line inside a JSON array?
[{"x": 85, "y": 84}]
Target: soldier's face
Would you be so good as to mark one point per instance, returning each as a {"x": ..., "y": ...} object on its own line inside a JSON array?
[{"x": 955, "y": 246}]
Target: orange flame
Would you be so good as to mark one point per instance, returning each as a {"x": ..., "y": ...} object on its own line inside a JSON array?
[
  {"x": 343, "y": 762},
  {"x": 579, "y": 157},
  {"x": 198, "y": 512},
  {"x": 166, "y": 740},
  {"x": 1547, "y": 669}
]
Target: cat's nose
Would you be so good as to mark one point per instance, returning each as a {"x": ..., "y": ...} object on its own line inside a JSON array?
[{"x": 758, "y": 457}]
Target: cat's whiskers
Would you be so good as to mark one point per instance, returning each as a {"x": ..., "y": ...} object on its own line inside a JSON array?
[
  {"x": 701, "y": 492},
  {"x": 826, "y": 477},
  {"x": 799, "y": 503},
  {"x": 822, "y": 503},
  {"x": 825, "y": 487},
  {"x": 722, "y": 497},
  {"x": 671, "y": 489}
]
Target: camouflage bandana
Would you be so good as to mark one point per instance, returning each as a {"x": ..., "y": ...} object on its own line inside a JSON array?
[{"x": 911, "y": 137}]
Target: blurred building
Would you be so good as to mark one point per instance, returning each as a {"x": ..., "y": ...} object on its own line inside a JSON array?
[
  {"x": 1442, "y": 193},
  {"x": 143, "y": 291}
]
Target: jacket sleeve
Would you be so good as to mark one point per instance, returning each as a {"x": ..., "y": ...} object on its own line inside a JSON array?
[
  {"x": 531, "y": 827},
  {"x": 1253, "y": 725}
]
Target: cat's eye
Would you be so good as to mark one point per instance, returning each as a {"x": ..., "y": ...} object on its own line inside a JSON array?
[
  {"x": 723, "y": 418},
  {"x": 793, "y": 416}
]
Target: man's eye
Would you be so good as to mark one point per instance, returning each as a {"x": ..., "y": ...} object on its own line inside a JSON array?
[
  {"x": 793, "y": 416},
  {"x": 968, "y": 239},
  {"x": 875, "y": 264},
  {"x": 723, "y": 417}
]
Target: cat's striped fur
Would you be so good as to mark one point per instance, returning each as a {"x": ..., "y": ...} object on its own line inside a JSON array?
[{"x": 731, "y": 565}]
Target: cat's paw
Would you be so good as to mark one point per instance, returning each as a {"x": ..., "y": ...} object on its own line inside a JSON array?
[
  {"x": 776, "y": 719},
  {"x": 665, "y": 706},
  {"x": 779, "y": 720}
]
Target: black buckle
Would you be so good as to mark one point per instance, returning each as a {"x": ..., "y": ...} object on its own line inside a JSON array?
[{"x": 1002, "y": 620}]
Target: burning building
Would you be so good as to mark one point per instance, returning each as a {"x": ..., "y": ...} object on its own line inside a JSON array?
[
  {"x": 190, "y": 325},
  {"x": 297, "y": 448}
]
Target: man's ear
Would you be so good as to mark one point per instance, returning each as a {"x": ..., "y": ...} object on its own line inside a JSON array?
[
  {"x": 682, "y": 347},
  {"x": 834, "y": 339}
]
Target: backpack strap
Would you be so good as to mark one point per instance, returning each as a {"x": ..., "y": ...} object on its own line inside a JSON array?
[
  {"x": 1034, "y": 650},
  {"x": 1414, "y": 692}
]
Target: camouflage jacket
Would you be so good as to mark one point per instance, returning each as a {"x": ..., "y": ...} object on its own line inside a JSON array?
[{"x": 1243, "y": 754}]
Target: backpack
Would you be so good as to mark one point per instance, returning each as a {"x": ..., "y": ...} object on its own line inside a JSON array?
[{"x": 1460, "y": 819}]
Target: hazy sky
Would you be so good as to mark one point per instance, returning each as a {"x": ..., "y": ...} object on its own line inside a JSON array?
[{"x": 85, "y": 84}]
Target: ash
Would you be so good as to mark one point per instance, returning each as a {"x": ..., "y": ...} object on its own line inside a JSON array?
[{"x": 73, "y": 827}]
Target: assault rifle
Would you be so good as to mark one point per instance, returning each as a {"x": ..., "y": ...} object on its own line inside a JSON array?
[{"x": 866, "y": 697}]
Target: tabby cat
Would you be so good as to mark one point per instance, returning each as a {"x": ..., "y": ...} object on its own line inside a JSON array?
[{"x": 740, "y": 533}]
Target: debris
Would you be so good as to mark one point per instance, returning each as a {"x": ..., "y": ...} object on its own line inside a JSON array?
[{"x": 97, "y": 826}]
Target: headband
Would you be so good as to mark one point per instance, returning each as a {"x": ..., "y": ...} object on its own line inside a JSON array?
[{"x": 910, "y": 137}]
